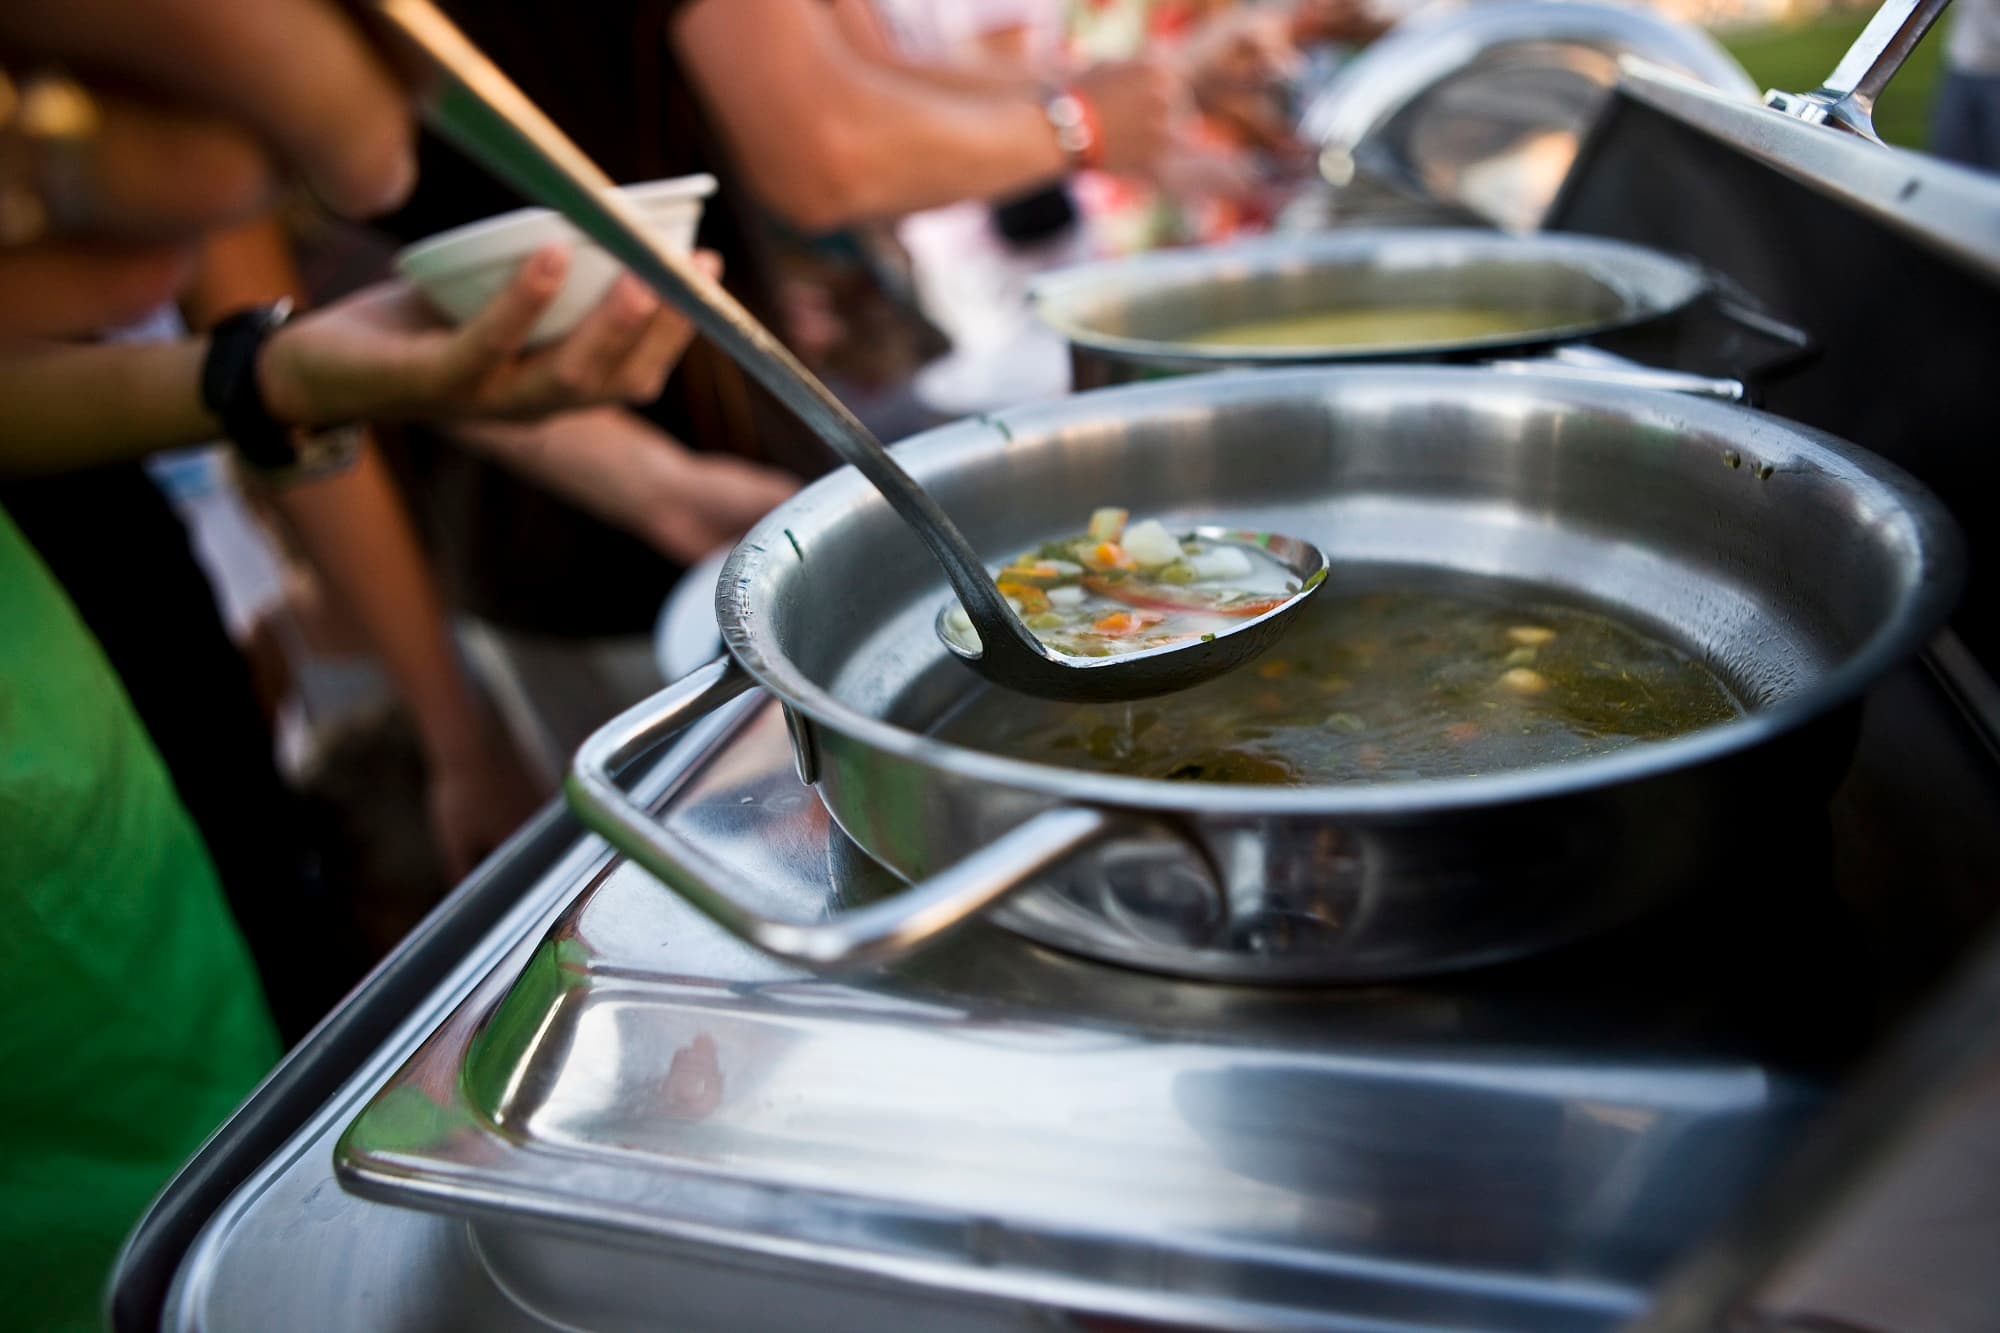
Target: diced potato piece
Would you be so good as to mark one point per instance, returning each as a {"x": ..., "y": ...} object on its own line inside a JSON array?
[
  {"x": 1223, "y": 562},
  {"x": 1070, "y": 596},
  {"x": 1151, "y": 544},
  {"x": 1530, "y": 636},
  {"x": 1524, "y": 680},
  {"x": 1107, "y": 525}
]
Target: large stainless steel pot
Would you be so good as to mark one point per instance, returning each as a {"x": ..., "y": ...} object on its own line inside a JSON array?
[
  {"x": 1135, "y": 318},
  {"x": 1798, "y": 566}
]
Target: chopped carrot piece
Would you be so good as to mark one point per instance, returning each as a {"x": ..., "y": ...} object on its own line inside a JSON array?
[
  {"x": 1028, "y": 595},
  {"x": 1458, "y": 733},
  {"x": 1110, "y": 555},
  {"x": 1127, "y": 622}
]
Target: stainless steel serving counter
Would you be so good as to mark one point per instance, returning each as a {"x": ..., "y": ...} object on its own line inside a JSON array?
[{"x": 283, "y": 1246}]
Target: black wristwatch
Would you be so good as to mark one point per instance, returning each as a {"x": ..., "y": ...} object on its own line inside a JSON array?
[{"x": 230, "y": 390}]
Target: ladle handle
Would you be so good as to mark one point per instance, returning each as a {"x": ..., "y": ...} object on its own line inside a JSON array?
[
  {"x": 877, "y": 933},
  {"x": 494, "y": 122}
]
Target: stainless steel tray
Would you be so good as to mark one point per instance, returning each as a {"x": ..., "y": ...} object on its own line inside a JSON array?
[{"x": 1000, "y": 1121}]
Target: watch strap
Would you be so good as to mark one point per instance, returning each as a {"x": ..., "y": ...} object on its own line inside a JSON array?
[{"x": 230, "y": 388}]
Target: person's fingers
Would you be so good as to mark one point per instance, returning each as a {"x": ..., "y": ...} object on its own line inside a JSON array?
[
  {"x": 143, "y": 171},
  {"x": 643, "y": 376},
  {"x": 300, "y": 75},
  {"x": 580, "y": 368},
  {"x": 67, "y": 288},
  {"x": 497, "y": 333}
]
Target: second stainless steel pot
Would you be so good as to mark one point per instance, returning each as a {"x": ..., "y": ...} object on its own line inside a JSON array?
[
  {"x": 1797, "y": 566},
  {"x": 1142, "y": 317}
]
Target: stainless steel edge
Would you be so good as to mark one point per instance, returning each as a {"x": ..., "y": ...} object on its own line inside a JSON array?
[
  {"x": 1953, "y": 1041},
  {"x": 1603, "y": 368},
  {"x": 865, "y": 936},
  {"x": 311, "y": 1071},
  {"x": 333, "y": 1070},
  {"x": 1950, "y": 209}
]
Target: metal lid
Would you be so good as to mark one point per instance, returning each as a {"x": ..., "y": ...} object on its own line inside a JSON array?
[{"x": 1483, "y": 107}]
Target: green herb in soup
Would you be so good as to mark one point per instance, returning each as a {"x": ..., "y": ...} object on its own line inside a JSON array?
[
  {"x": 1381, "y": 685},
  {"x": 1380, "y": 326},
  {"x": 1123, "y": 587}
]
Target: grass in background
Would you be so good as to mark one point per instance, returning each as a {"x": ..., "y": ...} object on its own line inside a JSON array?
[{"x": 1797, "y": 57}]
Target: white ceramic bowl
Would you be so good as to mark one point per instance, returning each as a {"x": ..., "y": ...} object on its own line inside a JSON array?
[{"x": 460, "y": 270}]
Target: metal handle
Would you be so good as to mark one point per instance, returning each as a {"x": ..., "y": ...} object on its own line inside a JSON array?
[
  {"x": 480, "y": 110},
  {"x": 1847, "y": 98},
  {"x": 1590, "y": 365},
  {"x": 868, "y": 935}
]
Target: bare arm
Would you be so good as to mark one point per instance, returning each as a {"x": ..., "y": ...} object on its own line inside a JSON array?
[
  {"x": 354, "y": 532},
  {"x": 58, "y": 414},
  {"x": 826, "y": 136},
  {"x": 628, "y": 472}
]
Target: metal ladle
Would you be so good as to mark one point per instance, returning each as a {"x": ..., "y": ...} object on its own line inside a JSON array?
[{"x": 479, "y": 109}]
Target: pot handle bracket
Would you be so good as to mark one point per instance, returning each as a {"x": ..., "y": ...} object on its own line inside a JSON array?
[
  {"x": 1846, "y": 100},
  {"x": 866, "y": 936}
]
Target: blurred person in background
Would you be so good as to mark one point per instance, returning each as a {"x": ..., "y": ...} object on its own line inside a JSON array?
[
  {"x": 559, "y": 582},
  {"x": 1965, "y": 117},
  {"x": 1235, "y": 161},
  {"x": 132, "y": 1017},
  {"x": 198, "y": 701},
  {"x": 1239, "y": 58},
  {"x": 187, "y": 116}
]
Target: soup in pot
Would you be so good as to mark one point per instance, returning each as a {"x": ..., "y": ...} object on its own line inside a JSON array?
[
  {"x": 1381, "y": 326},
  {"x": 1383, "y": 683}
]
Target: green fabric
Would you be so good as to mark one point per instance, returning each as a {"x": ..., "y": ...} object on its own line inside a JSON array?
[{"x": 131, "y": 1021}]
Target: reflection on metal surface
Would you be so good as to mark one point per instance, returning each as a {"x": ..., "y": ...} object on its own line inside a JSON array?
[
  {"x": 1784, "y": 986},
  {"x": 1003, "y": 1121},
  {"x": 1483, "y": 106}
]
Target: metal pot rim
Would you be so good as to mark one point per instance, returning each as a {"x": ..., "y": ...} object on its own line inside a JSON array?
[
  {"x": 1056, "y": 296},
  {"x": 1932, "y": 533}
]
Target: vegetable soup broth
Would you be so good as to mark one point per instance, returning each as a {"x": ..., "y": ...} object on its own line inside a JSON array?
[{"x": 1382, "y": 682}]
